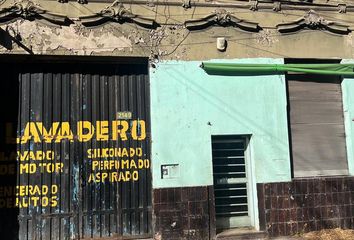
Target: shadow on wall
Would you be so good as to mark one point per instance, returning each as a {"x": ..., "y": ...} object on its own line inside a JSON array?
[
  {"x": 233, "y": 112},
  {"x": 9, "y": 227}
]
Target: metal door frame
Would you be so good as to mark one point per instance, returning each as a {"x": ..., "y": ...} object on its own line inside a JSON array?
[
  {"x": 252, "y": 202},
  {"x": 252, "y": 189}
]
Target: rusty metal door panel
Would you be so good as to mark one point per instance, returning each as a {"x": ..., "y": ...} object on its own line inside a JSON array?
[{"x": 87, "y": 127}]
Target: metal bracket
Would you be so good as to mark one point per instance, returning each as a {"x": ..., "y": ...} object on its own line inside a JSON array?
[
  {"x": 254, "y": 5},
  {"x": 150, "y": 3},
  {"x": 277, "y": 6},
  {"x": 186, "y": 4},
  {"x": 342, "y": 8}
]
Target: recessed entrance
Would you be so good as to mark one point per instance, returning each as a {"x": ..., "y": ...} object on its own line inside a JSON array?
[{"x": 233, "y": 201}]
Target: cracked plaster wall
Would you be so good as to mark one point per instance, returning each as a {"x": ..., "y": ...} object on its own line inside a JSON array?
[
  {"x": 174, "y": 42},
  {"x": 45, "y": 40}
]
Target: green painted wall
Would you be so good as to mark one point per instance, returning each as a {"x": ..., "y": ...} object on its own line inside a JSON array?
[
  {"x": 188, "y": 106},
  {"x": 348, "y": 107}
]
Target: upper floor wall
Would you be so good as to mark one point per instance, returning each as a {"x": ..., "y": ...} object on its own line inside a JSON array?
[{"x": 169, "y": 31}]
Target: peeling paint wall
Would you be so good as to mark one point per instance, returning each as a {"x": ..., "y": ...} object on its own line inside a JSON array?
[
  {"x": 172, "y": 41},
  {"x": 175, "y": 42},
  {"x": 45, "y": 40}
]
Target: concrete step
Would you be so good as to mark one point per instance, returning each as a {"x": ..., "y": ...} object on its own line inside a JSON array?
[{"x": 242, "y": 234}]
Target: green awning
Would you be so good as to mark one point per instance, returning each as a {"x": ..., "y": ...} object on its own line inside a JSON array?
[{"x": 233, "y": 69}]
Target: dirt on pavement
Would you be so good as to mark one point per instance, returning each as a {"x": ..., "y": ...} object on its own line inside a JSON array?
[{"x": 330, "y": 234}]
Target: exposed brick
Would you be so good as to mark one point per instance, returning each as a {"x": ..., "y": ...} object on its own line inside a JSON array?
[
  {"x": 347, "y": 197},
  {"x": 184, "y": 209},
  {"x": 323, "y": 199},
  {"x": 261, "y": 205},
  {"x": 183, "y": 213},
  {"x": 163, "y": 195},
  {"x": 293, "y": 228},
  {"x": 275, "y": 230},
  {"x": 287, "y": 188},
  {"x": 191, "y": 194},
  {"x": 284, "y": 208},
  {"x": 273, "y": 216},
  {"x": 281, "y": 227},
  {"x": 280, "y": 202},
  {"x": 274, "y": 202},
  {"x": 185, "y": 223},
  {"x": 157, "y": 197},
  {"x": 201, "y": 194},
  {"x": 335, "y": 198},
  {"x": 178, "y": 194},
  {"x": 334, "y": 185},
  {"x": 185, "y": 195},
  {"x": 280, "y": 189},
  {"x": 171, "y": 195},
  {"x": 267, "y": 203},
  {"x": 197, "y": 223},
  {"x": 287, "y": 215},
  {"x": 317, "y": 200},
  {"x": 266, "y": 189},
  {"x": 267, "y": 216},
  {"x": 307, "y": 204},
  {"x": 341, "y": 198},
  {"x": 322, "y": 185},
  {"x": 281, "y": 216},
  {"x": 301, "y": 227},
  {"x": 194, "y": 209},
  {"x": 304, "y": 186},
  {"x": 311, "y": 226},
  {"x": 317, "y": 215},
  {"x": 309, "y": 200},
  {"x": 329, "y": 199},
  {"x": 286, "y": 203},
  {"x": 310, "y": 186},
  {"x": 345, "y": 185},
  {"x": 348, "y": 209},
  {"x": 328, "y": 188},
  {"x": 293, "y": 214},
  {"x": 299, "y": 214},
  {"x": 204, "y": 208},
  {"x": 305, "y": 214},
  {"x": 323, "y": 214},
  {"x": 297, "y": 187}
]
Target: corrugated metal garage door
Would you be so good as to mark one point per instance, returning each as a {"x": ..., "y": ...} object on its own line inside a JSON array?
[
  {"x": 317, "y": 125},
  {"x": 83, "y": 150}
]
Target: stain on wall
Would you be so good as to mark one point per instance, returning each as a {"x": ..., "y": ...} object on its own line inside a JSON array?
[{"x": 81, "y": 41}]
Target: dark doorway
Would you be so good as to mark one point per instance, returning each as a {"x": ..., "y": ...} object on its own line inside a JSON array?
[{"x": 9, "y": 107}]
